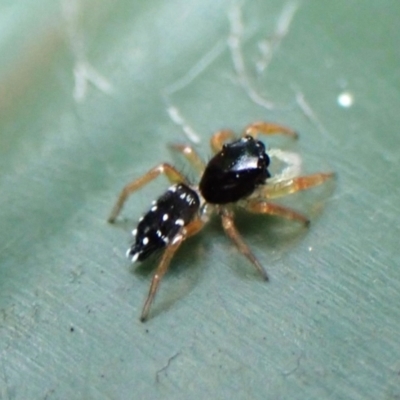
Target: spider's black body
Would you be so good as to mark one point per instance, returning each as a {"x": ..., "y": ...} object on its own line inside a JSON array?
[
  {"x": 235, "y": 172},
  {"x": 174, "y": 209}
]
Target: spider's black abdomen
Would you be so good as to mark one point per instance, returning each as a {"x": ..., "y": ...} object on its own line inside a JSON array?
[
  {"x": 235, "y": 172},
  {"x": 174, "y": 209}
]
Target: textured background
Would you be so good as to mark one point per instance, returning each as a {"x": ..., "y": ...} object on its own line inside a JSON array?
[{"x": 85, "y": 88}]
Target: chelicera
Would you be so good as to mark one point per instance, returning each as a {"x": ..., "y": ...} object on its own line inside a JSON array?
[{"x": 237, "y": 176}]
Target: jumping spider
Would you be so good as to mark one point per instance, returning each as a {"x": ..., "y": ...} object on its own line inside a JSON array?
[{"x": 237, "y": 175}]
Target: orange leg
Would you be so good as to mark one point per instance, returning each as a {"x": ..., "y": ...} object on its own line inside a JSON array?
[
  {"x": 262, "y": 207},
  {"x": 172, "y": 174},
  {"x": 268, "y": 128},
  {"x": 191, "y": 229},
  {"x": 191, "y": 155},
  {"x": 219, "y": 138},
  {"x": 234, "y": 235},
  {"x": 294, "y": 185}
]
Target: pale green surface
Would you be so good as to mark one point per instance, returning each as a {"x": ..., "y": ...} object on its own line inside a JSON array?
[{"x": 325, "y": 327}]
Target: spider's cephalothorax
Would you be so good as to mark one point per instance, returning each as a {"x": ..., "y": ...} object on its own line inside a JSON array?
[
  {"x": 174, "y": 209},
  {"x": 238, "y": 173},
  {"x": 235, "y": 172}
]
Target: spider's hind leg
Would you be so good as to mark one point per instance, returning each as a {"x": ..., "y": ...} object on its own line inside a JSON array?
[
  {"x": 173, "y": 175},
  {"x": 191, "y": 229}
]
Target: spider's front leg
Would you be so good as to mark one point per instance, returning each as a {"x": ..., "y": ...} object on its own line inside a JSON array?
[
  {"x": 234, "y": 235},
  {"x": 294, "y": 185},
  {"x": 191, "y": 229},
  {"x": 171, "y": 173},
  {"x": 219, "y": 138},
  {"x": 268, "y": 128},
  {"x": 265, "y": 128},
  {"x": 191, "y": 155}
]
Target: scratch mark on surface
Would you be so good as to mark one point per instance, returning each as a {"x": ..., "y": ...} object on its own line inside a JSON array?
[
  {"x": 177, "y": 118},
  {"x": 83, "y": 72},
  {"x": 185, "y": 81},
  {"x": 311, "y": 115},
  {"x": 166, "y": 366},
  {"x": 234, "y": 43},
  {"x": 197, "y": 69},
  {"x": 235, "y": 46},
  {"x": 294, "y": 369},
  {"x": 268, "y": 47}
]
